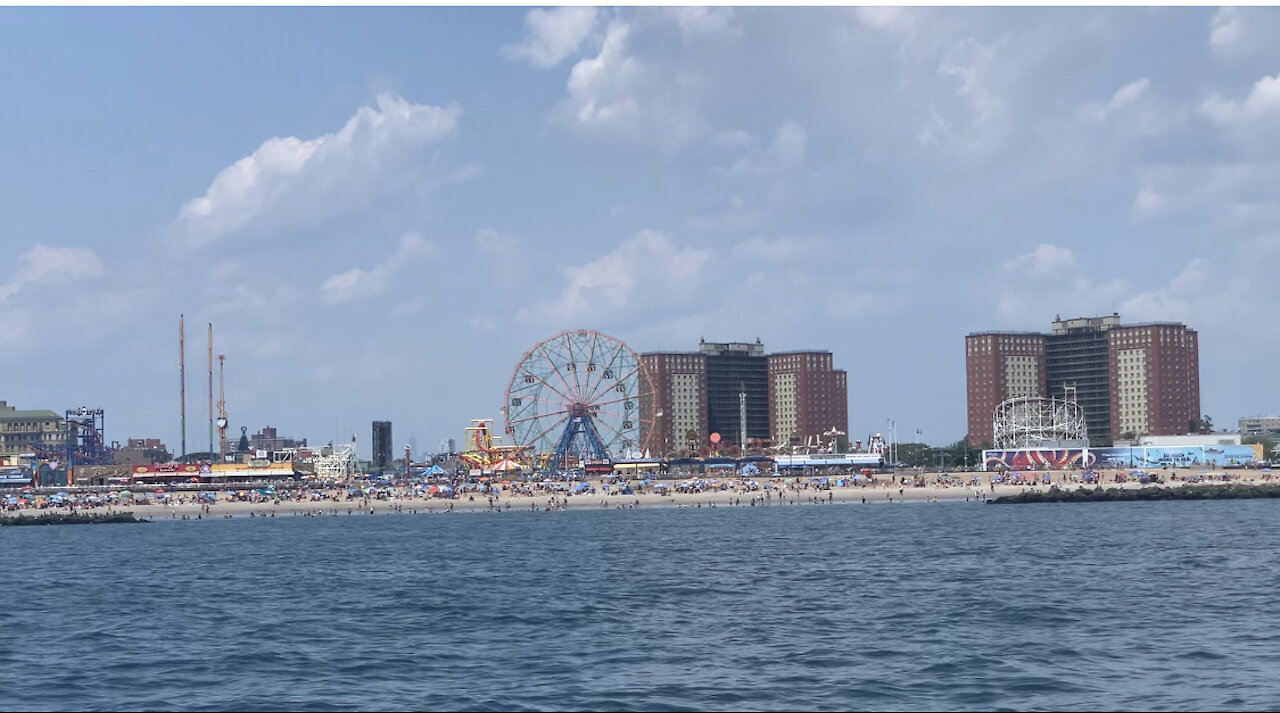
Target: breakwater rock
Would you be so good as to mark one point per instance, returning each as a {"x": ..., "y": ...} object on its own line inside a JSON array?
[
  {"x": 1229, "y": 491},
  {"x": 70, "y": 519}
]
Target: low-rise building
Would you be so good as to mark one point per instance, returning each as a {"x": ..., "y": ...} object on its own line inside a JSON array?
[
  {"x": 1260, "y": 426},
  {"x": 141, "y": 451},
  {"x": 269, "y": 440},
  {"x": 25, "y": 432}
]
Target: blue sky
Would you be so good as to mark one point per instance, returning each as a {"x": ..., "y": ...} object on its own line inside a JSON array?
[{"x": 380, "y": 210}]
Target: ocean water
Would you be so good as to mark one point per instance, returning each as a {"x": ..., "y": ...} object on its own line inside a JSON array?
[{"x": 1107, "y": 606}]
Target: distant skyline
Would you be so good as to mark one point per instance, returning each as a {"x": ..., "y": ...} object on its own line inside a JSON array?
[{"x": 381, "y": 209}]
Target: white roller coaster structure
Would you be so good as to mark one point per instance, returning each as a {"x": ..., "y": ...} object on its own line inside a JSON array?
[
  {"x": 336, "y": 462},
  {"x": 1032, "y": 421}
]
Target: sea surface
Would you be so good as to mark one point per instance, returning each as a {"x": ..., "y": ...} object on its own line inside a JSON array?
[{"x": 952, "y": 606}]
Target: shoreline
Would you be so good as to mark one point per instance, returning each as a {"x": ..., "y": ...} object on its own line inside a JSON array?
[{"x": 182, "y": 505}]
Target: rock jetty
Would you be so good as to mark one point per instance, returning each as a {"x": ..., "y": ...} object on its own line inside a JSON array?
[
  {"x": 1228, "y": 491},
  {"x": 70, "y": 519}
]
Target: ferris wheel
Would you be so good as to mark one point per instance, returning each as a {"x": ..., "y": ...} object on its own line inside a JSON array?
[{"x": 577, "y": 396}]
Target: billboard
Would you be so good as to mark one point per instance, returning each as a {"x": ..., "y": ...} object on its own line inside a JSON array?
[
  {"x": 1035, "y": 459},
  {"x": 1122, "y": 457},
  {"x": 167, "y": 469}
]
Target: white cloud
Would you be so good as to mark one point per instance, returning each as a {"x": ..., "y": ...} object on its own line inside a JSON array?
[
  {"x": 787, "y": 150},
  {"x": 1128, "y": 94},
  {"x": 502, "y": 255},
  {"x": 616, "y": 95},
  {"x": 978, "y": 123},
  {"x": 1045, "y": 261},
  {"x": 1124, "y": 96},
  {"x": 788, "y": 147},
  {"x": 883, "y": 17},
  {"x": 1198, "y": 295},
  {"x": 1133, "y": 112},
  {"x": 1148, "y": 203},
  {"x": 290, "y": 179},
  {"x": 843, "y": 303},
  {"x": 599, "y": 86},
  {"x": 1050, "y": 280},
  {"x": 553, "y": 35},
  {"x": 698, "y": 21},
  {"x": 1263, "y": 103},
  {"x": 358, "y": 283},
  {"x": 1226, "y": 198},
  {"x": 646, "y": 271},
  {"x": 970, "y": 61},
  {"x": 43, "y": 264},
  {"x": 61, "y": 286},
  {"x": 736, "y": 215},
  {"x": 492, "y": 244},
  {"x": 1225, "y": 28},
  {"x": 237, "y": 299},
  {"x": 934, "y": 131},
  {"x": 734, "y": 139},
  {"x": 807, "y": 250},
  {"x": 17, "y": 327}
]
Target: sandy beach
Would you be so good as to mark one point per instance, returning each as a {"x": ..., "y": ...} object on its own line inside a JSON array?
[{"x": 903, "y": 488}]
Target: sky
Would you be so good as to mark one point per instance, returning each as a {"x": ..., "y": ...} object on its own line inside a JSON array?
[{"x": 380, "y": 210}]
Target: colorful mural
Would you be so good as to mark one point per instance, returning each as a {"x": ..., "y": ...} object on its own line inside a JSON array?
[
  {"x": 1135, "y": 457},
  {"x": 1034, "y": 459}
]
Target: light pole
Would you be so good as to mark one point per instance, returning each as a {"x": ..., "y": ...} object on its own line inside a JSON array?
[{"x": 893, "y": 441}]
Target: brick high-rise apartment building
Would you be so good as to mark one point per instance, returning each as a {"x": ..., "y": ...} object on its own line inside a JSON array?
[
  {"x": 678, "y": 409},
  {"x": 1130, "y": 380},
  {"x": 807, "y": 397},
  {"x": 790, "y": 396},
  {"x": 1000, "y": 366},
  {"x": 1155, "y": 379}
]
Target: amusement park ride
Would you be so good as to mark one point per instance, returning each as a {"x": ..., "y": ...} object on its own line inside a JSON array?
[
  {"x": 573, "y": 399},
  {"x": 484, "y": 451},
  {"x": 83, "y": 442}
]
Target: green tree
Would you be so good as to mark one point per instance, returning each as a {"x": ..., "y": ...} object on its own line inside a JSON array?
[
  {"x": 1268, "y": 444},
  {"x": 1204, "y": 424},
  {"x": 913, "y": 454}
]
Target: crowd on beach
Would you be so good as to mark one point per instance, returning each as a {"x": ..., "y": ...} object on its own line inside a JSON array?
[{"x": 446, "y": 494}]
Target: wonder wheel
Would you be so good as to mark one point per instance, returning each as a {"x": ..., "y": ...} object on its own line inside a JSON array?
[{"x": 577, "y": 397}]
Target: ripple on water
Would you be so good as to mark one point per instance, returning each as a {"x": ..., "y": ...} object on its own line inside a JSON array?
[{"x": 725, "y": 609}]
